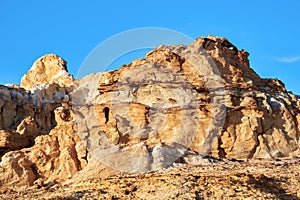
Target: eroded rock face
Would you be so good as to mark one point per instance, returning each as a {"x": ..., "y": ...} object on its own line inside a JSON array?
[
  {"x": 23, "y": 137},
  {"x": 262, "y": 117},
  {"x": 178, "y": 104},
  {"x": 53, "y": 158},
  {"x": 165, "y": 103},
  {"x": 46, "y": 70},
  {"x": 37, "y": 124}
]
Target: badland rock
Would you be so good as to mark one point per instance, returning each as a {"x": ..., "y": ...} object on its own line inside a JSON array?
[
  {"x": 38, "y": 140},
  {"x": 177, "y": 105},
  {"x": 202, "y": 98},
  {"x": 46, "y": 70}
]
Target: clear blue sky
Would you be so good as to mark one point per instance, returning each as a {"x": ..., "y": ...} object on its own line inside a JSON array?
[{"x": 268, "y": 29}]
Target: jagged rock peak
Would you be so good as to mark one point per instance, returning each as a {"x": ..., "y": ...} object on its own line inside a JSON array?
[
  {"x": 223, "y": 45},
  {"x": 48, "y": 69}
]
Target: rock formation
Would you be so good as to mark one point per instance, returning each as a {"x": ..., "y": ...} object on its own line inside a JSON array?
[
  {"x": 178, "y": 104},
  {"x": 47, "y": 70},
  {"x": 37, "y": 124}
]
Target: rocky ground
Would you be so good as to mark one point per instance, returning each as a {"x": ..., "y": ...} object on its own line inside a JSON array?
[{"x": 214, "y": 179}]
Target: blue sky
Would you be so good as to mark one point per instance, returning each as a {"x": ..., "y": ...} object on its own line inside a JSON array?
[{"x": 268, "y": 29}]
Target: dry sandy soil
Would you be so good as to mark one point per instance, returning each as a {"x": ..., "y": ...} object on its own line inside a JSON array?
[{"x": 214, "y": 179}]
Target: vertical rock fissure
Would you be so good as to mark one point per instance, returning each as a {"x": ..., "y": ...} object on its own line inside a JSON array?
[{"x": 106, "y": 113}]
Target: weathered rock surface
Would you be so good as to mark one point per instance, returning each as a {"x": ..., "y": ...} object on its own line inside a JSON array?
[
  {"x": 177, "y": 105},
  {"x": 46, "y": 70},
  {"x": 54, "y": 157},
  {"x": 164, "y": 105},
  {"x": 37, "y": 124},
  {"x": 23, "y": 137}
]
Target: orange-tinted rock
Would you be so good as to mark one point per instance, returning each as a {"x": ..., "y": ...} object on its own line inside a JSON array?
[
  {"x": 53, "y": 158},
  {"x": 178, "y": 104},
  {"x": 46, "y": 70},
  {"x": 163, "y": 100}
]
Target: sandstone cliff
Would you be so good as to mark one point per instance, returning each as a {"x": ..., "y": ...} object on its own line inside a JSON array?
[{"x": 177, "y": 105}]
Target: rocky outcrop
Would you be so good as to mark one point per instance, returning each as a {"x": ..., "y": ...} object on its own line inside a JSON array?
[
  {"x": 47, "y": 70},
  {"x": 179, "y": 104},
  {"x": 262, "y": 117},
  {"x": 54, "y": 157},
  {"x": 27, "y": 114},
  {"x": 37, "y": 124},
  {"x": 173, "y": 104},
  {"x": 22, "y": 137}
]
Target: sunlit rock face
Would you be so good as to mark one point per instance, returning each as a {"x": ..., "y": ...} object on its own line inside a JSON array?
[
  {"x": 178, "y": 104},
  {"x": 47, "y": 70}
]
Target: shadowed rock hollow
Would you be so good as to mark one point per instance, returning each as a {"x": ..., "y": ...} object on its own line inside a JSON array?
[{"x": 146, "y": 116}]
